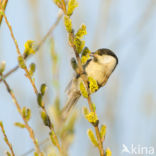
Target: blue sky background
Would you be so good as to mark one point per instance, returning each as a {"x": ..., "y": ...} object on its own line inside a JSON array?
[{"x": 127, "y": 104}]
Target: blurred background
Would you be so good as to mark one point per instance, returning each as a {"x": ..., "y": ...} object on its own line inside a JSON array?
[{"x": 126, "y": 105}]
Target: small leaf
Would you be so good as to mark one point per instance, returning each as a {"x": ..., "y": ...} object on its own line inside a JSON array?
[
  {"x": 92, "y": 137},
  {"x": 20, "y": 125}
]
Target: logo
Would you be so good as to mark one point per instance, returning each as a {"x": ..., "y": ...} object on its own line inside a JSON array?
[{"x": 138, "y": 149}]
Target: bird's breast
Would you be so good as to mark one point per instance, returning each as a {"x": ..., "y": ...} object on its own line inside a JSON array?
[{"x": 97, "y": 71}]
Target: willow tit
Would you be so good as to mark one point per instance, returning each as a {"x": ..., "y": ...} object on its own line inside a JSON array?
[{"x": 99, "y": 67}]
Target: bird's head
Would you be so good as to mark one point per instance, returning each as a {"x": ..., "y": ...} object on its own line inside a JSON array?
[{"x": 105, "y": 56}]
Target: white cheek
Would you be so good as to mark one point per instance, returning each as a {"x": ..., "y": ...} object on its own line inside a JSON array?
[{"x": 108, "y": 59}]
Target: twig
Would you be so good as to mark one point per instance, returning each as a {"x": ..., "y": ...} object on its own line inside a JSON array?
[
  {"x": 4, "y": 4},
  {"x": 40, "y": 144},
  {"x": 6, "y": 139},
  {"x": 39, "y": 44},
  {"x": 60, "y": 14},
  {"x": 31, "y": 81},
  {"x": 30, "y": 130},
  {"x": 85, "y": 79}
]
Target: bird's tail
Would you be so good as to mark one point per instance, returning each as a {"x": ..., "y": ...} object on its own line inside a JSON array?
[{"x": 73, "y": 96}]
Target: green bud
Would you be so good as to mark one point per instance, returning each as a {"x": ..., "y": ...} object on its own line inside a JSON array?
[
  {"x": 39, "y": 100},
  {"x": 26, "y": 112},
  {"x": 1, "y": 12},
  {"x": 52, "y": 138},
  {"x": 2, "y": 66},
  {"x": 86, "y": 51},
  {"x": 43, "y": 88},
  {"x": 21, "y": 62},
  {"x": 36, "y": 154},
  {"x": 1, "y": 125},
  {"x": 8, "y": 153},
  {"x": 74, "y": 63},
  {"x": 32, "y": 68},
  {"x": 45, "y": 119},
  {"x": 20, "y": 125}
]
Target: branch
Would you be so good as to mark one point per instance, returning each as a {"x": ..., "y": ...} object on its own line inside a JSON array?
[
  {"x": 81, "y": 71},
  {"x": 44, "y": 114},
  {"x": 4, "y": 4},
  {"x": 52, "y": 28},
  {"x": 30, "y": 130},
  {"x": 6, "y": 139},
  {"x": 85, "y": 79}
]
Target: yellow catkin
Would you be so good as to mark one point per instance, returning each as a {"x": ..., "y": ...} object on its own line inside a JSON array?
[
  {"x": 68, "y": 24},
  {"x": 85, "y": 55},
  {"x": 92, "y": 117},
  {"x": 82, "y": 31},
  {"x": 92, "y": 137},
  {"x": 93, "y": 86},
  {"x": 108, "y": 152},
  {"x": 29, "y": 47},
  {"x": 79, "y": 44},
  {"x": 72, "y": 4}
]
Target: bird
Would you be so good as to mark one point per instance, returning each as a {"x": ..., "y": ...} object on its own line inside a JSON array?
[{"x": 100, "y": 66}]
